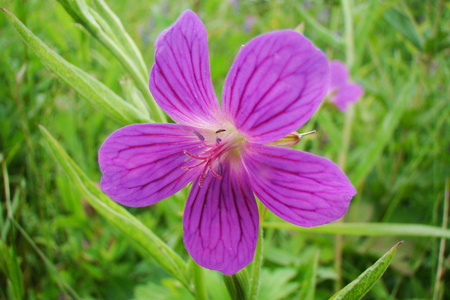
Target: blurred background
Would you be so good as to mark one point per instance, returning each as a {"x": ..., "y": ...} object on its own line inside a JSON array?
[{"x": 393, "y": 144}]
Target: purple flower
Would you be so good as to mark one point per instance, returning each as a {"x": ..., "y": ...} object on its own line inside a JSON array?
[
  {"x": 342, "y": 92},
  {"x": 274, "y": 86}
]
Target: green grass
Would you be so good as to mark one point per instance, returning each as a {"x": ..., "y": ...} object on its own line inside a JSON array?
[{"x": 54, "y": 243}]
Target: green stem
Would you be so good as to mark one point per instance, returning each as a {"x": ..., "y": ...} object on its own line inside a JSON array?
[
  {"x": 257, "y": 261},
  {"x": 342, "y": 159},
  {"x": 440, "y": 270},
  {"x": 237, "y": 285},
  {"x": 349, "y": 39},
  {"x": 368, "y": 229},
  {"x": 199, "y": 282},
  {"x": 320, "y": 29}
]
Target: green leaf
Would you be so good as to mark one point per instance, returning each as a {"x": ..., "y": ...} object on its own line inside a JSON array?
[
  {"x": 140, "y": 235},
  {"x": 121, "y": 35},
  {"x": 361, "y": 285},
  {"x": 9, "y": 265},
  {"x": 51, "y": 268},
  {"x": 310, "y": 21},
  {"x": 369, "y": 229},
  {"x": 404, "y": 24},
  {"x": 84, "y": 84},
  {"x": 277, "y": 284},
  {"x": 309, "y": 283},
  {"x": 106, "y": 27}
]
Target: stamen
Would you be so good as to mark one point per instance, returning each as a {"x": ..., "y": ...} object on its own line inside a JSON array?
[
  {"x": 200, "y": 137},
  {"x": 193, "y": 167},
  {"x": 306, "y": 133},
  {"x": 215, "y": 174},
  {"x": 218, "y": 140},
  {"x": 220, "y": 130},
  {"x": 194, "y": 156}
]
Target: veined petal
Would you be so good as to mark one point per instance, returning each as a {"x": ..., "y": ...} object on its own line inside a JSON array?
[
  {"x": 346, "y": 94},
  {"x": 299, "y": 187},
  {"x": 275, "y": 85},
  {"x": 221, "y": 221},
  {"x": 180, "y": 79},
  {"x": 339, "y": 74},
  {"x": 142, "y": 163}
]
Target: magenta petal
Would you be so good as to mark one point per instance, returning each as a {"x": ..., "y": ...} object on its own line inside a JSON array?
[
  {"x": 346, "y": 94},
  {"x": 221, "y": 221},
  {"x": 142, "y": 163},
  {"x": 299, "y": 187},
  {"x": 180, "y": 79},
  {"x": 339, "y": 74},
  {"x": 275, "y": 85}
]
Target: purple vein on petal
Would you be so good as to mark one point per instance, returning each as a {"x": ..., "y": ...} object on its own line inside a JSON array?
[
  {"x": 221, "y": 222},
  {"x": 299, "y": 187},
  {"x": 274, "y": 86},
  {"x": 141, "y": 165}
]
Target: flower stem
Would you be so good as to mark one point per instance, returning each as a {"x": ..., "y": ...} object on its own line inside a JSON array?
[
  {"x": 342, "y": 158},
  {"x": 440, "y": 268},
  {"x": 199, "y": 282},
  {"x": 257, "y": 262},
  {"x": 349, "y": 38},
  {"x": 237, "y": 285}
]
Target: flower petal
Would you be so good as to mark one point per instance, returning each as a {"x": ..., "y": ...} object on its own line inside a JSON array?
[
  {"x": 180, "y": 79},
  {"x": 142, "y": 163},
  {"x": 339, "y": 74},
  {"x": 275, "y": 85},
  {"x": 299, "y": 187},
  {"x": 346, "y": 94},
  {"x": 221, "y": 221}
]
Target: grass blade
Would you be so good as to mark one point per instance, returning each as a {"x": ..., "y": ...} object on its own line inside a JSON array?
[
  {"x": 10, "y": 266},
  {"x": 81, "y": 82},
  {"x": 404, "y": 24},
  {"x": 309, "y": 282},
  {"x": 361, "y": 285},
  {"x": 369, "y": 229}
]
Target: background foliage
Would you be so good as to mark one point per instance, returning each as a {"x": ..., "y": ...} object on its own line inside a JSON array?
[{"x": 54, "y": 242}]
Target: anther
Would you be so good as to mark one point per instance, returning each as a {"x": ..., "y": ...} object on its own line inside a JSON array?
[
  {"x": 220, "y": 169},
  {"x": 218, "y": 176},
  {"x": 220, "y": 130},
  {"x": 218, "y": 140},
  {"x": 201, "y": 137}
]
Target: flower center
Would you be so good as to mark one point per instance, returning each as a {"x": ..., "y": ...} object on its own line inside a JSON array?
[{"x": 220, "y": 145}]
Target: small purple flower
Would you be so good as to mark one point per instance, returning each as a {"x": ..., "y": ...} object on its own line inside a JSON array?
[
  {"x": 274, "y": 86},
  {"x": 342, "y": 92}
]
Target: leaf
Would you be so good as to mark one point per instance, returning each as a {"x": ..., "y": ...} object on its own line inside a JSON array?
[
  {"x": 361, "y": 285},
  {"x": 118, "y": 216},
  {"x": 276, "y": 284},
  {"x": 81, "y": 82},
  {"x": 121, "y": 35},
  {"x": 55, "y": 274},
  {"x": 369, "y": 229},
  {"x": 309, "y": 282},
  {"x": 324, "y": 32},
  {"x": 10, "y": 266},
  {"x": 404, "y": 24},
  {"x": 106, "y": 27}
]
